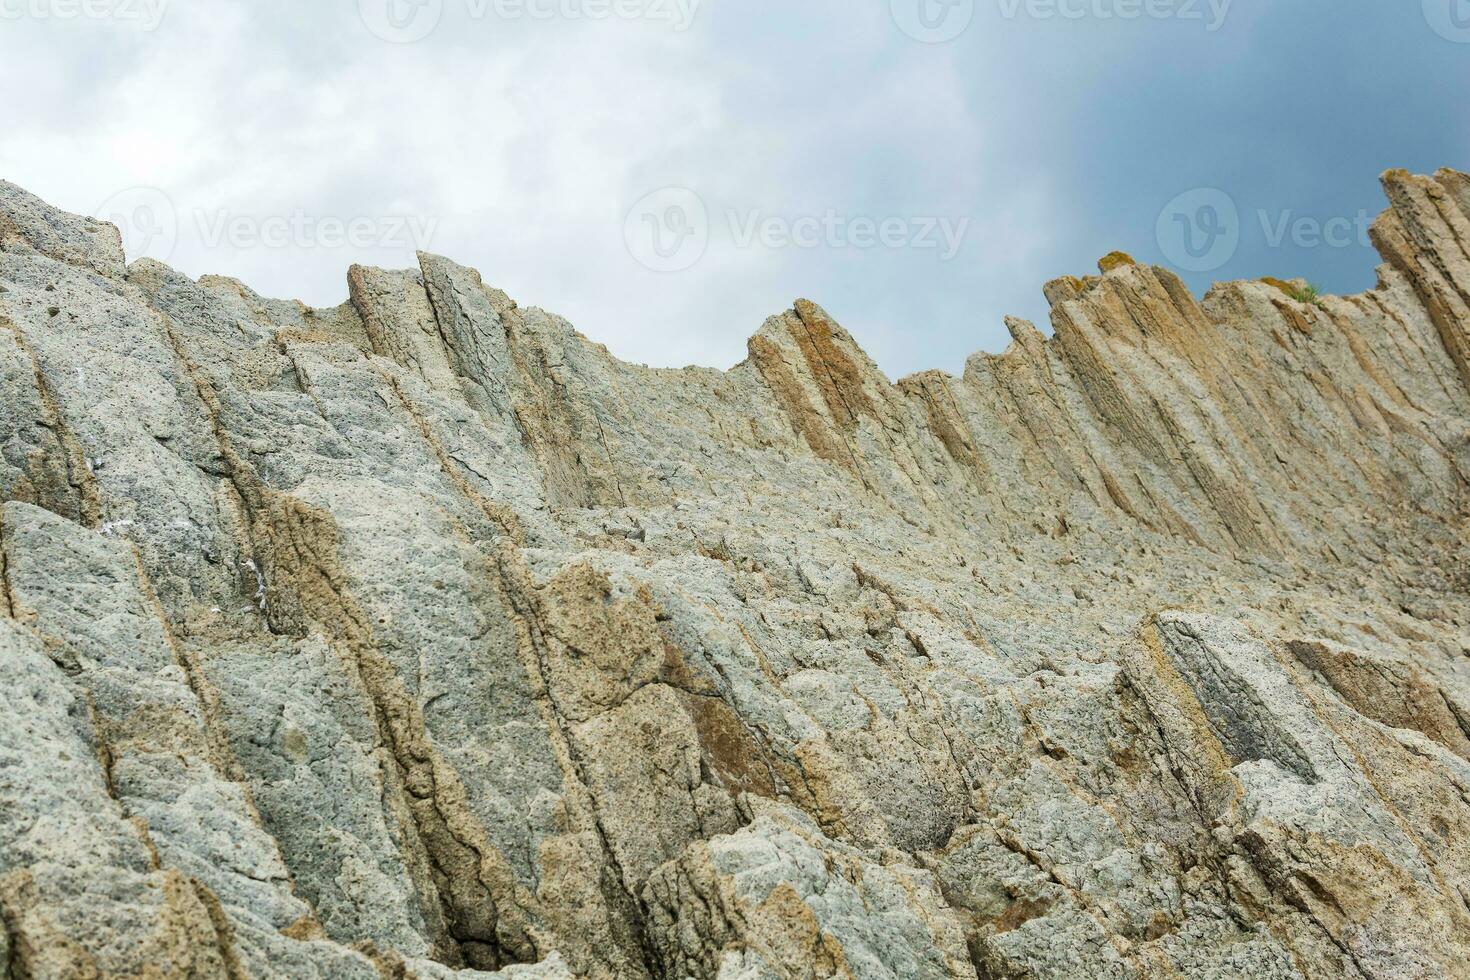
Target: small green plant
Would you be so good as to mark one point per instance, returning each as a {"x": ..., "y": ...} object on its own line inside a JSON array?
[{"x": 1309, "y": 294}]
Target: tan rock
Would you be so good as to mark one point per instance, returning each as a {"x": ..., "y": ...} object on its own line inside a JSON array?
[{"x": 422, "y": 637}]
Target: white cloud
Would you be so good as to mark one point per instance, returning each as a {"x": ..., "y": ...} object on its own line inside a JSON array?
[{"x": 527, "y": 141}]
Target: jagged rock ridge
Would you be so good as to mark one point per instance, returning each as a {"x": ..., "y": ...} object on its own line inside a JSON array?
[{"x": 421, "y": 636}]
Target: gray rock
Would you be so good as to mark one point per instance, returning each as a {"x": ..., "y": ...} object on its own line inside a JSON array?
[{"x": 423, "y": 638}]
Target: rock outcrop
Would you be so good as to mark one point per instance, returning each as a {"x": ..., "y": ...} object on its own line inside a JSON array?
[{"x": 421, "y": 636}]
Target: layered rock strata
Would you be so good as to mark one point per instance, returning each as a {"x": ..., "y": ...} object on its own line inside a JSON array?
[{"x": 422, "y": 638}]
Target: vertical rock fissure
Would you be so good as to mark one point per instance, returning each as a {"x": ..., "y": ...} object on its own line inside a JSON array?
[
  {"x": 474, "y": 947},
  {"x": 468, "y": 903},
  {"x": 107, "y": 762},
  {"x": 289, "y": 556},
  {"x": 78, "y": 470},
  {"x": 498, "y": 514},
  {"x": 13, "y": 965},
  {"x": 775, "y": 371},
  {"x": 514, "y": 591},
  {"x": 6, "y": 592},
  {"x": 236, "y": 468},
  {"x": 224, "y": 932},
  {"x": 222, "y": 756},
  {"x": 825, "y": 361},
  {"x": 300, "y": 558},
  {"x": 516, "y": 588}
]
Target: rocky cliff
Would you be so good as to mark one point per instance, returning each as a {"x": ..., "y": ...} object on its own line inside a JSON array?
[{"x": 421, "y": 636}]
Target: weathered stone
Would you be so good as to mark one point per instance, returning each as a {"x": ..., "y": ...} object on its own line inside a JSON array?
[{"x": 421, "y": 637}]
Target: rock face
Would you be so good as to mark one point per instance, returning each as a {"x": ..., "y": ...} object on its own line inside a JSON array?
[{"x": 421, "y": 636}]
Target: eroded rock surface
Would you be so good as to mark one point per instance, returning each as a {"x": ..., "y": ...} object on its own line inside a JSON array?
[{"x": 422, "y": 638}]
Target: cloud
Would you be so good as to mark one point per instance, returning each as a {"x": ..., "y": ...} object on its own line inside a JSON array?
[{"x": 522, "y": 143}]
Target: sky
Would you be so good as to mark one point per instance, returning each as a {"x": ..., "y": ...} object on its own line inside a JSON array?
[{"x": 668, "y": 173}]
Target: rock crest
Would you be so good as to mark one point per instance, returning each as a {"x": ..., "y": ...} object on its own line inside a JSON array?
[{"x": 421, "y": 636}]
